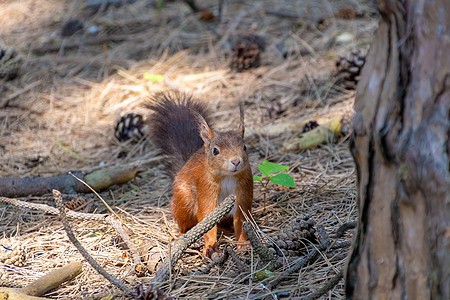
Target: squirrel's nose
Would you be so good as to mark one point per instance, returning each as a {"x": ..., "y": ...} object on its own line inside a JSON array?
[{"x": 236, "y": 161}]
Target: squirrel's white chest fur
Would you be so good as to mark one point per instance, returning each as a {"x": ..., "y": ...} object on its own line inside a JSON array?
[{"x": 228, "y": 187}]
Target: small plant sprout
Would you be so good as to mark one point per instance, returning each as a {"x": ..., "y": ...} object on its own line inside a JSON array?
[{"x": 268, "y": 169}]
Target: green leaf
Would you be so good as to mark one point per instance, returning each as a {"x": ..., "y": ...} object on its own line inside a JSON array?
[
  {"x": 257, "y": 178},
  {"x": 283, "y": 179},
  {"x": 153, "y": 77},
  {"x": 268, "y": 168}
]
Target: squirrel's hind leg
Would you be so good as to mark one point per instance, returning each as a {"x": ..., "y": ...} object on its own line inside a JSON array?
[{"x": 183, "y": 210}]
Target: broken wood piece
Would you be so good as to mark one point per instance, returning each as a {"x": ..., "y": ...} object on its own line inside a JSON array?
[
  {"x": 322, "y": 134},
  {"x": 102, "y": 179},
  {"x": 43, "y": 284},
  {"x": 15, "y": 294},
  {"x": 36, "y": 186},
  {"x": 53, "y": 279},
  {"x": 284, "y": 128}
]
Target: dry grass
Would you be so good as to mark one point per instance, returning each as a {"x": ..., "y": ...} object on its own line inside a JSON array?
[{"x": 81, "y": 90}]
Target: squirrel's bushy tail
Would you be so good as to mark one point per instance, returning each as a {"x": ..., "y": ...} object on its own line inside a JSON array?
[{"x": 174, "y": 127}]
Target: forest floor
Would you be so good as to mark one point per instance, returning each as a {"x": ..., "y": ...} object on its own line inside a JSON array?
[{"x": 61, "y": 110}]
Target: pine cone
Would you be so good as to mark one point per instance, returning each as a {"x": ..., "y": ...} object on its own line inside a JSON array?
[
  {"x": 130, "y": 126},
  {"x": 79, "y": 204},
  {"x": 151, "y": 293},
  {"x": 10, "y": 63},
  {"x": 349, "y": 68},
  {"x": 291, "y": 240},
  {"x": 310, "y": 125},
  {"x": 16, "y": 257},
  {"x": 247, "y": 52}
]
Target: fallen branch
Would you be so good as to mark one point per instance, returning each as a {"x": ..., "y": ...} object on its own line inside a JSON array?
[
  {"x": 139, "y": 267},
  {"x": 114, "y": 222},
  {"x": 239, "y": 264},
  {"x": 43, "y": 284},
  {"x": 53, "y": 211},
  {"x": 83, "y": 252},
  {"x": 219, "y": 260},
  {"x": 344, "y": 227},
  {"x": 323, "y": 236},
  {"x": 302, "y": 261},
  {"x": 98, "y": 180},
  {"x": 187, "y": 239},
  {"x": 325, "y": 288},
  {"x": 263, "y": 252},
  {"x": 11, "y": 97},
  {"x": 67, "y": 44}
]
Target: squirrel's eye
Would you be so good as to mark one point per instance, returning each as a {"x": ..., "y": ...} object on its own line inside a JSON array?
[
  {"x": 216, "y": 151},
  {"x": 245, "y": 148}
]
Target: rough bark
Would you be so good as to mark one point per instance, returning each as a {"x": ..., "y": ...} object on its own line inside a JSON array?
[{"x": 401, "y": 150}]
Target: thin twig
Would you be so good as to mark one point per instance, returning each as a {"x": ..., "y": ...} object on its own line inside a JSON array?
[
  {"x": 94, "y": 191},
  {"x": 84, "y": 253},
  {"x": 282, "y": 14}
]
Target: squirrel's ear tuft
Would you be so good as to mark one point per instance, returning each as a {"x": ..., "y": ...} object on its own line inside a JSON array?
[
  {"x": 205, "y": 131},
  {"x": 241, "y": 126}
]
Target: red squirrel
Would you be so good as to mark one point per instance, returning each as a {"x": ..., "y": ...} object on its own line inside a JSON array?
[{"x": 206, "y": 165}]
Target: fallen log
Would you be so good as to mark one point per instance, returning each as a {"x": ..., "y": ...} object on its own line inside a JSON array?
[{"x": 68, "y": 184}]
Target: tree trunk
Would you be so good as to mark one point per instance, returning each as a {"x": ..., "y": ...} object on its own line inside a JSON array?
[{"x": 401, "y": 150}]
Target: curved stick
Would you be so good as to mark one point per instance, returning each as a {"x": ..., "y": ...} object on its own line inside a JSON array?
[{"x": 187, "y": 239}]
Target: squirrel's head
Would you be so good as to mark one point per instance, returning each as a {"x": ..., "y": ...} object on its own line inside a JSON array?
[{"x": 225, "y": 151}]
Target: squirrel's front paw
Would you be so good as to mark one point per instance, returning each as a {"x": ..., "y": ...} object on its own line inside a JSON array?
[{"x": 210, "y": 249}]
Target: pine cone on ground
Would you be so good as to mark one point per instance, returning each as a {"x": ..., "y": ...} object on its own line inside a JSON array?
[
  {"x": 291, "y": 241},
  {"x": 130, "y": 126},
  {"x": 16, "y": 257},
  {"x": 247, "y": 52},
  {"x": 310, "y": 125},
  {"x": 10, "y": 63},
  {"x": 79, "y": 204},
  {"x": 349, "y": 68}
]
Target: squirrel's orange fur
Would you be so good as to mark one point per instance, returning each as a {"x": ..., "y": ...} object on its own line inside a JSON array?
[{"x": 206, "y": 165}]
